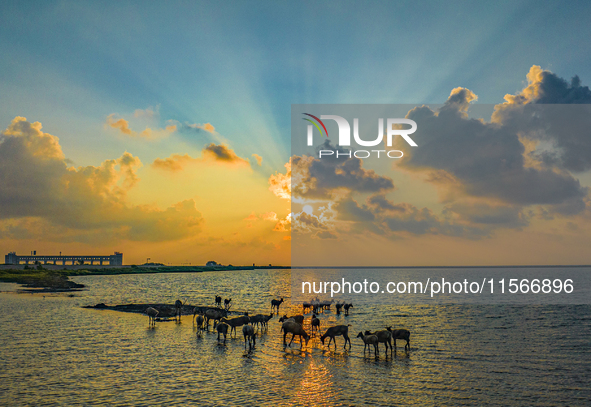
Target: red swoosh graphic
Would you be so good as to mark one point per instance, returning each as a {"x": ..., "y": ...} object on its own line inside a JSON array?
[{"x": 319, "y": 121}]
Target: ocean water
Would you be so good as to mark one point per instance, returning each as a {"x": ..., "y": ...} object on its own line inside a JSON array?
[{"x": 53, "y": 352}]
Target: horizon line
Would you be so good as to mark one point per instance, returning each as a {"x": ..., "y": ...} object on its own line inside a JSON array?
[{"x": 439, "y": 267}]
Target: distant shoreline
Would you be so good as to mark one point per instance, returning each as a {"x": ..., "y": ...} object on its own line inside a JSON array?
[
  {"x": 83, "y": 270},
  {"x": 441, "y": 267},
  {"x": 54, "y": 278},
  {"x": 78, "y": 270}
]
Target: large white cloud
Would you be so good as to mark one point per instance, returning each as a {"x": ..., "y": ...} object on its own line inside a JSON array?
[
  {"x": 487, "y": 159},
  {"x": 37, "y": 183}
]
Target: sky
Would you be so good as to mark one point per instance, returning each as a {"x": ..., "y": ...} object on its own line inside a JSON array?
[{"x": 163, "y": 130}]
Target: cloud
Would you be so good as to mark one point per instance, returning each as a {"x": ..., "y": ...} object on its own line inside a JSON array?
[
  {"x": 283, "y": 225},
  {"x": 386, "y": 219},
  {"x": 280, "y": 184},
  {"x": 251, "y": 217},
  {"x": 208, "y": 127},
  {"x": 322, "y": 178},
  {"x": 198, "y": 132},
  {"x": 424, "y": 221},
  {"x": 483, "y": 159},
  {"x": 173, "y": 163},
  {"x": 325, "y": 234},
  {"x": 153, "y": 134},
  {"x": 348, "y": 209},
  {"x": 382, "y": 216},
  {"x": 223, "y": 154},
  {"x": 271, "y": 216},
  {"x": 310, "y": 220},
  {"x": 211, "y": 153},
  {"x": 123, "y": 126},
  {"x": 516, "y": 170},
  {"x": 382, "y": 204},
  {"x": 149, "y": 113},
  {"x": 546, "y": 87},
  {"x": 259, "y": 159},
  {"x": 36, "y": 183},
  {"x": 311, "y": 223},
  {"x": 555, "y": 115},
  {"x": 485, "y": 213},
  {"x": 460, "y": 99}
]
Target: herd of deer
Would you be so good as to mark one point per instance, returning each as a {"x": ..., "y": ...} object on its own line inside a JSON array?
[
  {"x": 317, "y": 306},
  {"x": 290, "y": 325}
]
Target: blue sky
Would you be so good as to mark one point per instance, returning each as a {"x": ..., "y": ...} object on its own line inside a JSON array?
[
  {"x": 240, "y": 65},
  {"x": 87, "y": 70}
]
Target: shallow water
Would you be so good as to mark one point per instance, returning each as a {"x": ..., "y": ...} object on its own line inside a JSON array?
[{"x": 53, "y": 352}]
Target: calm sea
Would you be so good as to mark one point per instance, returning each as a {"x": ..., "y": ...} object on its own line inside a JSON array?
[{"x": 53, "y": 352}]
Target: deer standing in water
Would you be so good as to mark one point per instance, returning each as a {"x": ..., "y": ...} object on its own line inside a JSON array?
[
  {"x": 215, "y": 314},
  {"x": 152, "y": 314},
  {"x": 334, "y": 331},
  {"x": 276, "y": 304},
  {"x": 347, "y": 306},
  {"x": 403, "y": 334},
  {"x": 178, "y": 307},
  {"x": 222, "y": 328},
  {"x": 248, "y": 332},
  {"x": 315, "y": 323}
]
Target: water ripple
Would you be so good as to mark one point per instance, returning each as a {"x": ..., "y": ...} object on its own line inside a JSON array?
[{"x": 56, "y": 353}]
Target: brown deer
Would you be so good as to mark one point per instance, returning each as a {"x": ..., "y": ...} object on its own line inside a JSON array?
[
  {"x": 335, "y": 331},
  {"x": 276, "y": 304},
  {"x": 292, "y": 327},
  {"x": 152, "y": 314}
]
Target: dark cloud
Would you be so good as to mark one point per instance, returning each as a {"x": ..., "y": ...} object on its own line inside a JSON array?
[
  {"x": 348, "y": 209},
  {"x": 424, "y": 221},
  {"x": 570, "y": 207},
  {"x": 486, "y": 214},
  {"x": 490, "y": 175},
  {"x": 553, "y": 111},
  {"x": 222, "y": 153},
  {"x": 325, "y": 235},
  {"x": 308, "y": 220},
  {"x": 319, "y": 178},
  {"x": 391, "y": 222},
  {"x": 212, "y": 152},
  {"x": 486, "y": 158},
  {"x": 419, "y": 222},
  {"x": 381, "y": 203},
  {"x": 545, "y": 87}
]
